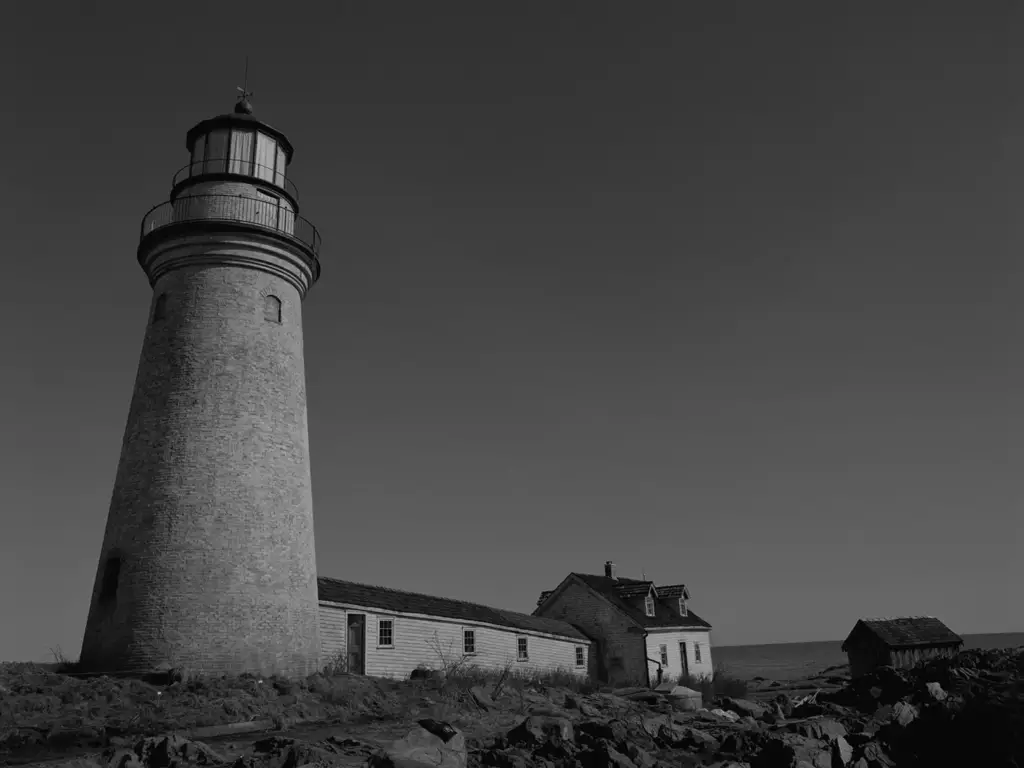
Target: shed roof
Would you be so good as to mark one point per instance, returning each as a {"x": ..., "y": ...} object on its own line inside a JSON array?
[
  {"x": 628, "y": 596},
  {"x": 904, "y": 632},
  {"x": 385, "y": 598}
]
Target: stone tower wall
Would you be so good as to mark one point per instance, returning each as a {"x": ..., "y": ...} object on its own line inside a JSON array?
[{"x": 208, "y": 558}]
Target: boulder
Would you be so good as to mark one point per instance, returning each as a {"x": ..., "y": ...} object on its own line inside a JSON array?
[
  {"x": 823, "y": 728},
  {"x": 420, "y": 748},
  {"x": 935, "y": 692},
  {"x": 539, "y": 729},
  {"x": 161, "y": 752},
  {"x": 730, "y": 716},
  {"x": 743, "y": 707},
  {"x": 842, "y": 752},
  {"x": 790, "y": 749}
]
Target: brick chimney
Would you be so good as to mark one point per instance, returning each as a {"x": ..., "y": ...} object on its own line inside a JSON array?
[{"x": 609, "y": 570}]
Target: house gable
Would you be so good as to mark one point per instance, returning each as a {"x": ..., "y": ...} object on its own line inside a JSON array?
[{"x": 619, "y": 651}]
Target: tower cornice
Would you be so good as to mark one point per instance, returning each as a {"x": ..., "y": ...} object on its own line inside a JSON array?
[{"x": 227, "y": 244}]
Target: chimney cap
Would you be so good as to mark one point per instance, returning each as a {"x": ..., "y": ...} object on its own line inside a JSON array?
[{"x": 609, "y": 570}]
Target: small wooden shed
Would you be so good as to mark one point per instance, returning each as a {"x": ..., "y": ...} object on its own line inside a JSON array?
[{"x": 900, "y": 642}]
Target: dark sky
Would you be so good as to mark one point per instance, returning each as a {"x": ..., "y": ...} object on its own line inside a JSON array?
[{"x": 725, "y": 292}]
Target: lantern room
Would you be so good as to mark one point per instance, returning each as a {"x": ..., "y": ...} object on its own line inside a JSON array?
[{"x": 238, "y": 147}]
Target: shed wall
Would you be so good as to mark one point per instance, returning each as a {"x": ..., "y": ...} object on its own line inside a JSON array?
[{"x": 433, "y": 643}]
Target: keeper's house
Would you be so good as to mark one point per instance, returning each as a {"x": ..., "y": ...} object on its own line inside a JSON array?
[{"x": 388, "y": 633}]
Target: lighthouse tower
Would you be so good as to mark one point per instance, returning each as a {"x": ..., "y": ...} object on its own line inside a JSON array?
[{"x": 208, "y": 561}]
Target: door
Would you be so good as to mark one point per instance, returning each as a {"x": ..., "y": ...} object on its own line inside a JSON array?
[
  {"x": 357, "y": 643},
  {"x": 684, "y": 661}
]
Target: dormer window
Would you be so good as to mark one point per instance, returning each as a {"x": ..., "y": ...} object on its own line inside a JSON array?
[
  {"x": 682, "y": 606},
  {"x": 649, "y": 605}
]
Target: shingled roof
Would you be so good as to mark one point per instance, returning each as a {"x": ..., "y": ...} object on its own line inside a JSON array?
[
  {"x": 628, "y": 596},
  {"x": 385, "y": 598},
  {"x": 904, "y": 632}
]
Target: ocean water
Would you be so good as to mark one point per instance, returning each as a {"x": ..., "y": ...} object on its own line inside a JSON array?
[{"x": 790, "y": 661}]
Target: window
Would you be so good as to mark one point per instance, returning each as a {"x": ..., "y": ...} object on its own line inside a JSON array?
[
  {"x": 664, "y": 654},
  {"x": 385, "y": 633},
  {"x": 241, "y": 152},
  {"x": 682, "y": 606},
  {"x": 522, "y": 650},
  {"x": 272, "y": 309},
  {"x": 160, "y": 307},
  {"x": 111, "y": 577},
  {"x": 198, "y": 150},
  {"x": 696, "y": 652},
  {"x": 217, "y": 151},
  {"x": 281, "y": 163},
  {"x": 649, "y": 605},
  {"x": 266, "y": 154},
  {"x": 581, "y": 656},
  {"x": 468, "y": 641}
]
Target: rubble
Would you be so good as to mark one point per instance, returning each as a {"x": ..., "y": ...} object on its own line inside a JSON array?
[{"x": 964, "y": 711}]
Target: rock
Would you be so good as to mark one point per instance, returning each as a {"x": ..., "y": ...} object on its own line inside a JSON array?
[
  {"x": 421, "y": 748},
  {"x": 121, "y": 758},
  {"x": 731, "y": 716},
  {"x": 903, "y": 713},
  {"x": 936, "y": 692},
  {"x": 614, "y": 731},
  {"x": 538, "y": 729},
  {"x": 743, "y": 707},
  {"x": 790, "y": 749},
  {"x": 842, "y": 752},
  {"x": 822, "y": 728},
  {"x": 875, "y": 757},
  {"x": 482, "y": 698},
  {"x": 608, "y": 757},
  {"x": 163, "y": 751},
  {"x": 281, "y": 752},
  {"x": 681, "y": 736},
  {"x": 640, "y": 757}
]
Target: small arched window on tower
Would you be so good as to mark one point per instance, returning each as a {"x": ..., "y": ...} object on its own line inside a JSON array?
[
  {"x": 272, "y": 309},
  {"x": 160, "y": 307},
  {"x": 111, "y": 577}
]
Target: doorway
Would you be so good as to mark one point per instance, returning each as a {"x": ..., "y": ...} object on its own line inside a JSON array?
[
  {"x": 684, "y": 661},
  {"x": 356, "y": 643}
]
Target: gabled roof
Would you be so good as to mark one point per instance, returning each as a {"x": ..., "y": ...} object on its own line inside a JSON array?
[
  {"x": 628, "y": 596},
  {"x": 904, "y": 632},
  {"x": 387, "y": 599}
]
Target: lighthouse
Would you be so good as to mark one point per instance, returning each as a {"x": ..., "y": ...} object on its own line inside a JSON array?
[{"x": 208, "y": 561}]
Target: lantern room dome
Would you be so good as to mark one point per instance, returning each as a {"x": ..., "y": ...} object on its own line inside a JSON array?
[{"x": 237, "y": 146}]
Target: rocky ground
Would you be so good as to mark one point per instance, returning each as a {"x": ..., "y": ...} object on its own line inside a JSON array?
[{"x": 965, "y": 712}]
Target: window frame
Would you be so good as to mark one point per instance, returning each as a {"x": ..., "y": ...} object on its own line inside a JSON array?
[
  {"x": 649, "y": 607},
  {"x": 522, "y": 648},
  {"x": 468, "y": 648},
  {"x": 696, "y": 653},
  {"x": 278, "y": 304},
  {"x": 683, "y": 610},
  {"x": 390, "y": 625},
  {"x": 581, "y": 656},
  {"x": 159, "y": 308},
  {"x": 663, "y": 654}
]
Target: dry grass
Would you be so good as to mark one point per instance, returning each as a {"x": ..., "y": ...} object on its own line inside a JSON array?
[{"x": 720, "y": 683}]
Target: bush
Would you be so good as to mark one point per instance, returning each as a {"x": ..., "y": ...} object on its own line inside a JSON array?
[{"x": 719, "y": 683}]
